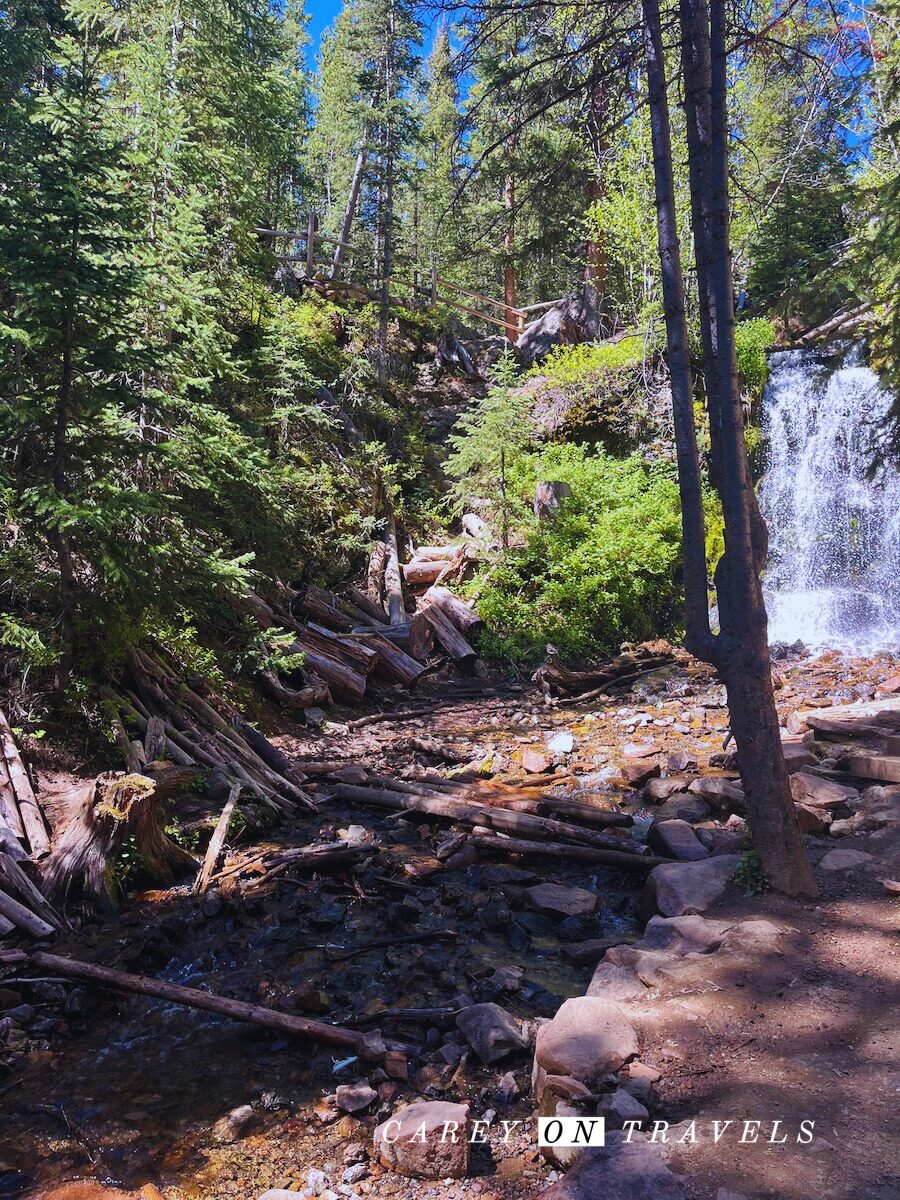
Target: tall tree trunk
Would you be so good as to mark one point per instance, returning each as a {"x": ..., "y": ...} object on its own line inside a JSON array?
[
  {"x": 699, "y": 639},
  {"x": 509, "y": 250},
  {"x": 740, "y": 651},
  {"x": 359, "y": 168},
  {"x": 595, "y": 258}
]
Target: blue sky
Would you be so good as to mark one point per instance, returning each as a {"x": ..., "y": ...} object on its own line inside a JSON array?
[{"x": 321, "y": 14}]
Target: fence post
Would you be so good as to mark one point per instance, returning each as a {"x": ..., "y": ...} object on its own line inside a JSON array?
[{"x": 311, "y": 245}]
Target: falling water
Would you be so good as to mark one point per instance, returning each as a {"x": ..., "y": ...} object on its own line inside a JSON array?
[{"x": 834, "y": 553}]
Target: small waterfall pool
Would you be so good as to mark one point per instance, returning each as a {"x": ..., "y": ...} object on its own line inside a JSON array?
[{"x": 833, "y": 577}]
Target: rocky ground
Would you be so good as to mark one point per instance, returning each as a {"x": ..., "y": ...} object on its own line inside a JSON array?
[{"x": 757, "y": 1010}]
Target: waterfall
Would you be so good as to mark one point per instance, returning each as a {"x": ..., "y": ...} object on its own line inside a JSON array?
[{"x": 833, "y": 577}]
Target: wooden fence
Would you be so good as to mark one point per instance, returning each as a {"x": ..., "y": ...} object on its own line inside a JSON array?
[{"x": 428, "y": 286}]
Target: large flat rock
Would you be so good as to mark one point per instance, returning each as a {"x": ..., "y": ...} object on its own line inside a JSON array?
[{"x": 690, "y": 887}]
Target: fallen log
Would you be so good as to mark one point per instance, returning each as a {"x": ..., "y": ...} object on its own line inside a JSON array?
[
  {"x": 393, "y": 578},
  {"x": 553, "y": 676},
  {"x": 346, "y": 649},
  {"x": 29, "y": 809},
  {"x": 15, "y": 880},
  {"x": 421, "y": 571},
  {"x": 271, "y": 755},
  {"x": 404, "y": 796},
  {"x": 23, "y": 918},
  {"x": 449, "y": 636},
  {"x": 217, "y": 841},
  {"x": 393, "y": 663},
  {"x": 466, "y": 620},
  {"x": 593, "y": 854},
  {"x": 367, "y": 1046},
  {"x": 324, "y": 611},
  {"x": 343, "y": 681},
  {"x": 375, "y": 573},
  {"x": 367, "y": 605},
  {"x": 437, "y": 553},
  {"x": 299, "y": 698}
]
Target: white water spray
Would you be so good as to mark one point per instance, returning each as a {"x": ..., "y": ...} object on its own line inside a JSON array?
[{"x": 833, "y": 577}]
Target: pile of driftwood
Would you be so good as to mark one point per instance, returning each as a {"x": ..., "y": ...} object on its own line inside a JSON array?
[
  {"x": 21, "y": 820},
  {"x": 556, "y": 680},
  {"x": 157, "y": 715}
]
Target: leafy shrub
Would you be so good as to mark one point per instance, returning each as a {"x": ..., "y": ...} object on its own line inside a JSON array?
[
  {"x": 606, "y": 569},
  {"x": 573, "y": 364},
  {"x": 752, "y": 339}
]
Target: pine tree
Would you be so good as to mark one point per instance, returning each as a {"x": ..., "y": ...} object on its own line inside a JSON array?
[{"x": 439, "y": 211}]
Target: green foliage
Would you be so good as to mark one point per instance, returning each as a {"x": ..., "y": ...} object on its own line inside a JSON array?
[
  {"x": 752, "y": 339},
  {"x": 492, "y": 436},
  {"x": 577, "y": 363},
  {"x": 604, "y": 570},
  {"x": 749, "y": 875}
]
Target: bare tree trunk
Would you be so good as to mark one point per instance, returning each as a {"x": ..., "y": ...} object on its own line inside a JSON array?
[
  {"x": 350, "y": 210},
  {"x": 740, "y": 651},
  {"x": 595, "y": 259},
  {"x": 509, "y": 250}
]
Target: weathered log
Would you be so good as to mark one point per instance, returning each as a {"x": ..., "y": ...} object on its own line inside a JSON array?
[
  {"x": 298, "y": 698},
  {"x": 111, "y": 809},
  {"x": 371, "y": 1047},
  {"x": 466, "y": 620},
  {"x": 154, "y": 739},
  {"x": 256, "y": 607},
  {"x": 10, "y": 844},
  {"x": 393, "y": 663},
  {"x": 324, "y": 612},
  {"x": 437, "y": 804},
  {"x": 362, "y": 601},
  {"x": 449, "y": 636},
  {"x": 437, "y": 553},
  {"x": 23, "y": 918},
  {"x": 343, "y": 681},
  {"x": 274, "y": 758},
  {"x": 393, "y": 579},
  {"x": 346, "y": 649},
  {"x": 131, "y": 749},
  {"x": 9, "y": 809},
  {"x": 421, "y": 638},
  {"x": 29, "y": 809},
  {"x": 17, "y": 883},
  {"x": 421, "y": 571},
  {"x": 552, "y": 675},
  {"x": 375, "y": 573},
  {"x": 455, "y": 568},
  {"x": 564, "y": 852},
  {"x": 217, "y": 841}
]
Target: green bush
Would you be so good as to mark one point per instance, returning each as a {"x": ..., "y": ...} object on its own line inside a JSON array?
[
  {"x": 605, "y": 570},
  {"x": 752, "y": 339},
  {"x": 573, "y": 364}
]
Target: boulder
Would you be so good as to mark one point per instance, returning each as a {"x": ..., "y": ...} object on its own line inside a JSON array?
[
  {"x": 561, "y": 901},
  {"x": 688, "y": 934},
  {"x": 638, "y": 1079},
  {"x": 635, "y": 1170},
  {"x": 561, "y": 743},
  {"x": 676, "y": 839},
  {"x": 845, "y": 860},
  {"x": 587, "y": 1039},
  {"x": 796, "y": 756},
  {"x": 428, "y": 1140},
  {"x": 652, "y": 967},
  {"x": 676, "y": 888},
  {"x": 683, "y": 807},
  {"x": 490, "y": 1031},
  {"x": 820, "y": 793},
  {"x": 720, "y": 793},
  {"x": 641, "y": 749},
  {"x": 620, "y": 1107},
  {"x": 638, "y": 773},
  {"x": 658, "y": 790},
  {"x": 612, "y": 982},
  {"x": 812, "y": 820}
]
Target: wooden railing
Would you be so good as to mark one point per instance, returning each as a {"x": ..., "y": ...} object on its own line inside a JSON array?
[{"x": 438, "y": 290}]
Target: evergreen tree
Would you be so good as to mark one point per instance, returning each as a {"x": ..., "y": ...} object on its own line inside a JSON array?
[{"x": 439, "y": 211}]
